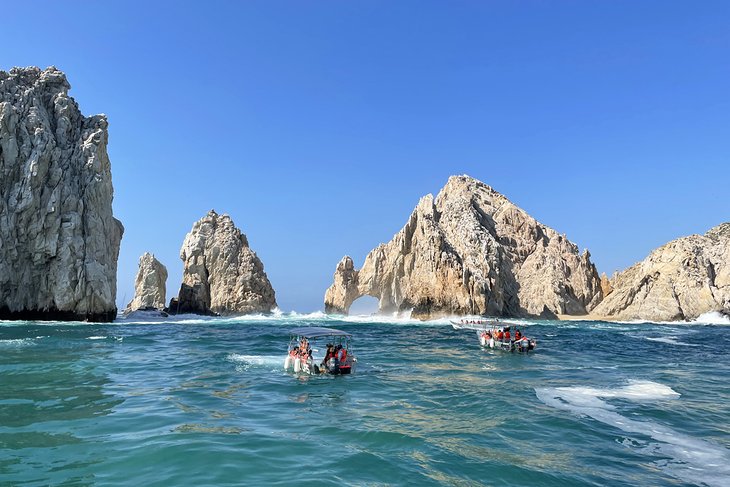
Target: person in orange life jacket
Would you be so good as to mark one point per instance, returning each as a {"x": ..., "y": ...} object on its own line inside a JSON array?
[
  {"x": 506, "y": 336},
  {"x": 338, "y": 349},
  {"x": 518, "y": 335}
]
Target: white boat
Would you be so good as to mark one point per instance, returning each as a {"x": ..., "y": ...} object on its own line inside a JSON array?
[
  {"x": 487, "y": 333},
  {"x": 335, "y": 357}
]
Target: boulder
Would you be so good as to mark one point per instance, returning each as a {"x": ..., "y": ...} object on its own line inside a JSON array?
[{"x": 59, "y": 241}]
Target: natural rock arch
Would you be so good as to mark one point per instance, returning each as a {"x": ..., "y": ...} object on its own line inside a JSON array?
[{"x": 471, "y": 251}]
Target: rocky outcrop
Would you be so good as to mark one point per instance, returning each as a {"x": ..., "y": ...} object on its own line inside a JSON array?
[
  {"x": 149, "y": 286},
  {"x": 221, "y": 275},
  {"x": 606, "y": 287},
  {"x": 678, "y": 281},
  {"x": 59, "y": 242},
  {"x": 471, "y": 251}
]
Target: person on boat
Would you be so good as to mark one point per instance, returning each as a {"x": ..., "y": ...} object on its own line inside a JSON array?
[
  {"x": 500, "y": 335},
  {"x": 304, "y": 355},
  {"x": 329, "y": 354},
  {"x": 342, "y": 355},
  {"x": 518, "y": 335},
  {"x": 507, "y": 336}
]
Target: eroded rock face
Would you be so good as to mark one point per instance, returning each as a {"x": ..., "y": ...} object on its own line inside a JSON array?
[
  {"x": 59, "y": 241},
  {"x": 471, "y": 251},
  {"x": 221, "y": 273},
  {"x": 149, "y": 286},
  {"x": 678, "y": 281}
]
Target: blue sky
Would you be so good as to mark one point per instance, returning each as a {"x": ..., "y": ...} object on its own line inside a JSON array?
[{"x": 318, "y": 125}]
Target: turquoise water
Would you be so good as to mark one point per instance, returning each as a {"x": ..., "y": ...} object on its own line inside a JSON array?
[{"x": 206, "y": 402}]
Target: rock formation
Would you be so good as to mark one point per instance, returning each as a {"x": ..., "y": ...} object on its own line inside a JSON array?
[
  {"x": 149, "y": 286},
  {"x": 471, "y": 251},
  {"x": 59, "y": 242},
  {"x": 606, "y": 287},
  {"x": 221, "y": 275},
  {"x": 678, "y": 281}
]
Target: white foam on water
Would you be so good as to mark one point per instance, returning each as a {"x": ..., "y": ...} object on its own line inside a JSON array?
[
  {"x": 671, "y": 340},
  {"x": 712, "y": 318},
  {"x": 690, "y": 459},
  {"x": 17, "y": 342},
  {"x": 97, "y": 338},
  {"x": 257, "y": 360}
]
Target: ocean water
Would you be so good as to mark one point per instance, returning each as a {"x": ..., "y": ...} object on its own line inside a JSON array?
[{"x": 206, "y": 402}]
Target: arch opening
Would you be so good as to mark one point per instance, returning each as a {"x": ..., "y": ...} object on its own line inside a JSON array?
[{"x": 364, "y": 306}]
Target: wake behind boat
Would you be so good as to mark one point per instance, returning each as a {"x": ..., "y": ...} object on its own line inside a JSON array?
[
  {"x": 337, "y": 358},
  {"x": 492, "y": 335}
]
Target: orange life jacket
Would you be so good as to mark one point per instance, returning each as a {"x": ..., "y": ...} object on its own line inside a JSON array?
[
  {"x": 506, "y": 335},
  {"x": 342, "y": 355}
]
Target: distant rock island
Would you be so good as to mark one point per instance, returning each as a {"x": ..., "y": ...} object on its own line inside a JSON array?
[
  {"x": 678, "y": 281},
  {"x": 150, "y": 286},
  {"x": 221, "y": 274},
  {"x": 59, "y": 241},
  {"x": 471, "y": 251}
]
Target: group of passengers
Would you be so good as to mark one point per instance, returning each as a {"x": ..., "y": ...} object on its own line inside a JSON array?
[
  {"x": 471, "y": 322},
  {"x": 302, "y": 351},
  {"x": 503, "y": 336},
  {"x": 334, "y": 358}
]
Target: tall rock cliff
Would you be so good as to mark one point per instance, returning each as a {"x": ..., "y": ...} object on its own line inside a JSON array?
[
  {"x": 59, "y": 242},
  {"x": 221, "y": 273},
  {"x": 150, "y": 285},
  {"x": 471, "y": 251},
  {"x": 678, "y": 281}
]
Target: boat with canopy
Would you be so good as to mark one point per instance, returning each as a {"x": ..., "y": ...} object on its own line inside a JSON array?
[
  {"x": 318, "y": 350},
  {"x": 494, "y": 335}
]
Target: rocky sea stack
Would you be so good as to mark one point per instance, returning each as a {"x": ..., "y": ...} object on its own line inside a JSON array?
[
  {"x": 678, "y": 281},
  {"x": 471, "y": 251},
  {"x": 59, "y": 241},
  {"x": 221, "y": 274},
  {"x": 149, "y": 286}
]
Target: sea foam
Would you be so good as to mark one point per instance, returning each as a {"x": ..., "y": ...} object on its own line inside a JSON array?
[
  {"x": 692, "y": 459},
  {"x": 713, "y": 318}
]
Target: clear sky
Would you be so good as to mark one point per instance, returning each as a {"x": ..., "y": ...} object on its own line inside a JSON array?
[{"x": 317, "y": 125}]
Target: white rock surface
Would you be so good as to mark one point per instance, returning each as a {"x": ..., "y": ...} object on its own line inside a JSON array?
[
  {"x": 471, "y": 251},
  {"x": 59, "y": 241},
  {"x": 221, "y": 273},
  {"x": 678, "y": 281},
  {"x": 149, "y": 286}
]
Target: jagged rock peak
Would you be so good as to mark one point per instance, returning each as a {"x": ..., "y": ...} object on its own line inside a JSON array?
[
  {"x": 221, "y": 273},
  {"x": 680, "y": 280},
  {"x": 344, "y": 290},
  {"x": 471, "y": 251},
  {"x": 149, "y": 286},
  {"x": 59, "y": 241}
]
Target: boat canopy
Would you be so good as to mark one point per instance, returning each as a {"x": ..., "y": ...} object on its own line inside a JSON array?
[{"x": 317, "y": 332}]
